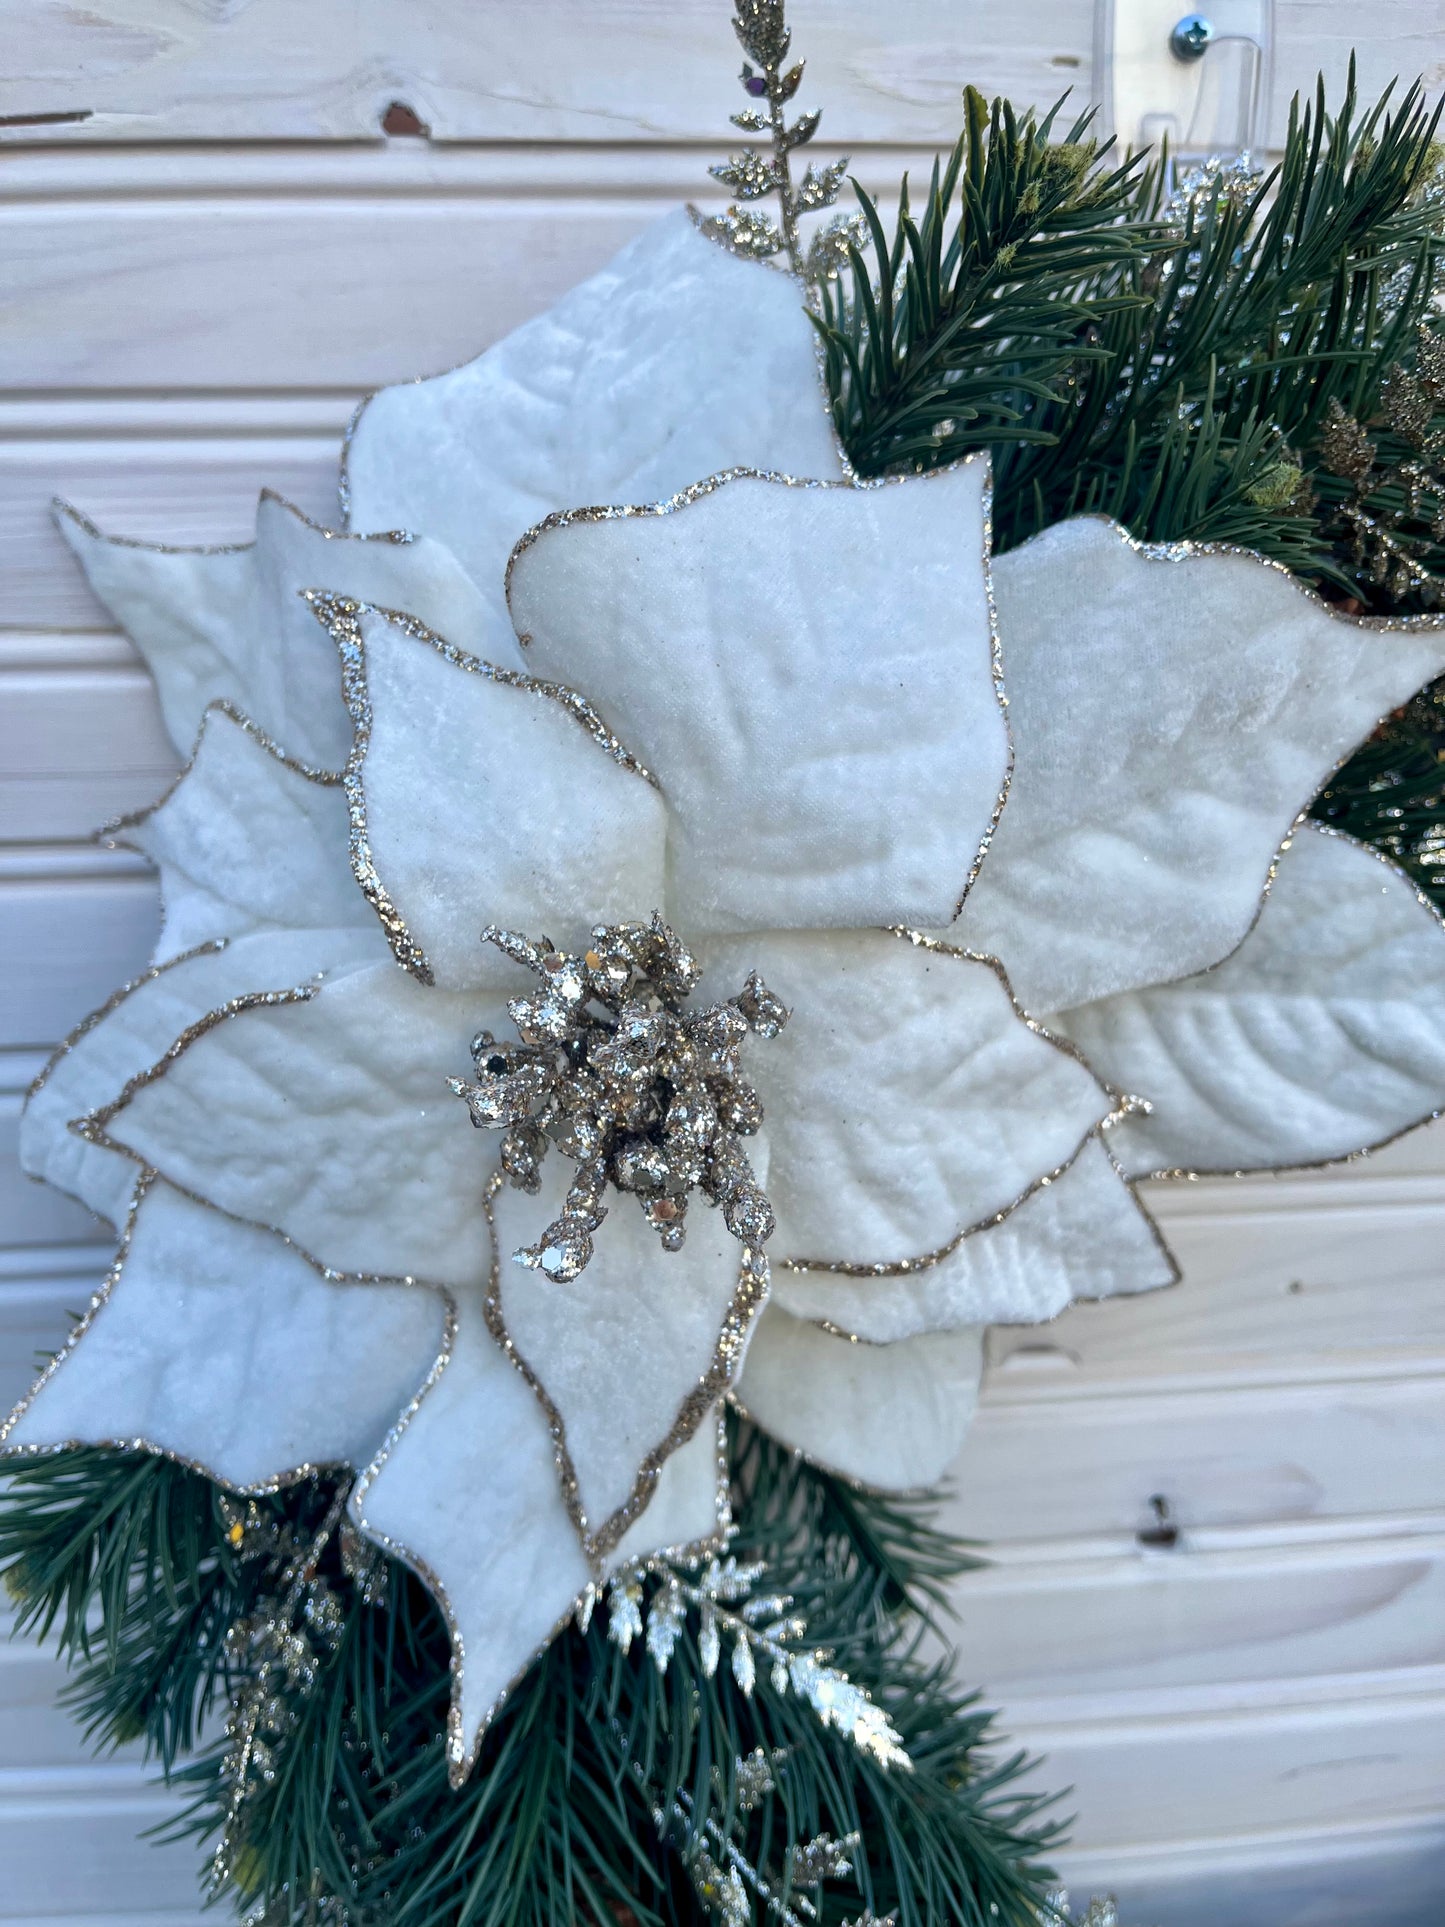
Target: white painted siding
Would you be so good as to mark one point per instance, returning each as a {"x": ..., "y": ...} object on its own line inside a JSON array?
[{"x": 200, "y": 278}]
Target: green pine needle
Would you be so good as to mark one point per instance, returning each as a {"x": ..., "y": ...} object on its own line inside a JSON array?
[
  {"x": 1173, "y": 367},
  {"x": 975, "y": 313},
  {"x": 558, "y": 1822}
]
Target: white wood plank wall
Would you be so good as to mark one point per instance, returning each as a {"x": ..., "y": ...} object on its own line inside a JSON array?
[{"x": 209, "y": 252}]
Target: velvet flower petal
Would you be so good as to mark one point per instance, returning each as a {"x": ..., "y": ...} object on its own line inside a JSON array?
[
  {"x": 675, "y": 362},
  {"x": 218, "y": 1344},
  {"x": 467, "y": 1494},
  {"x": 890, "y": 1416},
  {"x": 322, "y": 1111},
  {"x": 1319, "y": 1037},
  {"x": 229, "y": 625},
  {"x": 907, "y": 1101},
  {"x": 810, "y": 675},
  {"x": 630, "y": 1358},
  {"x": 1081, "y": 1234},
  {"x": 1173, "y": 713},
  {"x": 246, "y": 840},
  {"x": 125, "y": 1038},
  {"x": 480, "y": 795}
]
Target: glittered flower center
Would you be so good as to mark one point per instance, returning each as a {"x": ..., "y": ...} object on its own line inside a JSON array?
[{"x": 641, "y": 1094}]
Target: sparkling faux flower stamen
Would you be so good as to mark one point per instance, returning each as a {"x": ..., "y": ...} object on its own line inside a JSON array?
[{"x": 636, "y": 1091}]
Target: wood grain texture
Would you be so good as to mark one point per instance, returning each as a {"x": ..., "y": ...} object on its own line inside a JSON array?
[
  {"x": 130, "y": 70},
  {"x": 77, "y": 747},
  {"x": 191, "y": 492},
  {"x": 65, "y": 943},
  {"x": 1221, "y": 1456},
  {"x": 380, "y": 265},
  {"x": 1390, "y": 38},
  {"x": 1373, "y": 1875},
  {"x": 1144, "y": 1626},
  {"x": 554, "y": 70},
  {"x": 352, "y": 281},
  {"x": 70, "y": 1844},
  {"x": 1191, "y": 1777},
  {"x": 1315, "y": 1287}
]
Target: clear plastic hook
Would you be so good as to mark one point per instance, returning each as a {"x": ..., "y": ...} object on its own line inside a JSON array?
[{"x": 1201, "y": 80}]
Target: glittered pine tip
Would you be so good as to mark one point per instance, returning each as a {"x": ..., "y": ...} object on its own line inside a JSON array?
[{"x": 644, "y": 1096}]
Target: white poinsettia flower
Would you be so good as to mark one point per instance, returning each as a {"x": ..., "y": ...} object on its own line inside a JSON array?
[{"x": 646, "y": 650}]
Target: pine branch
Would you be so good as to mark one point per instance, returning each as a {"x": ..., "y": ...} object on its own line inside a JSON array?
[
  {"x": 354, "y": 1819},
  {"x": 1162, "y": 360},
  {"x": 976, "y": 314},
  {"x": 1269, "y": 307}
]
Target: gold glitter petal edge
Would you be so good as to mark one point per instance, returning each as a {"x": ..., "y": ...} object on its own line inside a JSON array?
[
  {"x": 212, "y": 947},
  {"x": 571, "y": 700},
  {"x": 1185, "y": 551},
  {"x": 1122, "y": 1106},
  {"x": 277, "y": 1481},
  {"x": 695, "y": 215},
  {"x": 749, "y": 1296},
  {"x": 1162, "y": 1244},
  {"x": 1175, "y": 1277},
  {"x": 710, "y": 484},
  {"x": 1000, "y": 694},
  {"x": 92, "y": 1127},
  {"x": 1400, "y": 625},
  {"x": 1189, "y": 1175},
  {"x": 111, "y": 834},
  {"x": 461, "y": 1756},
  {"x": 925, "y": 1261},
  {"x": 748, "y": 1299},
  {"x": 87, "y": 527},
  {"x": 341, "y": 617}
]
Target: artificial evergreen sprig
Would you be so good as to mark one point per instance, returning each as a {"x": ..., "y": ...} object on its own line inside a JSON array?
[
  {"x": 1391, "y": 507},
  {"x": 979, "y": 310},
  {"x": 353, "y": 1821},
  {"x": 1169, "y": 359},
  {"x": 1269, "y": 304}
]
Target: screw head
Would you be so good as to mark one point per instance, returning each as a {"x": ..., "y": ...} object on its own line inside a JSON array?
[{"x": 1191, "y": 37}]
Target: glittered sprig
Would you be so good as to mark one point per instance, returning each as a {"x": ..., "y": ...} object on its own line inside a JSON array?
[
  {"x": 761, "y": 1629},
  {"x": 725, "y": 1879},
  {"x": 1394, "y": 516},
  {"x": 757, "y": 175},
  {"x": 1101, "y": 1911},
  {"x": 277, "y": 1652}
]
